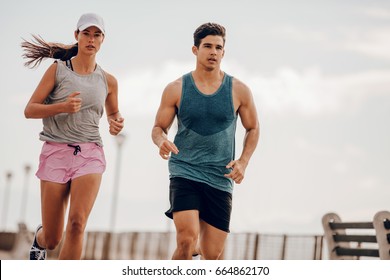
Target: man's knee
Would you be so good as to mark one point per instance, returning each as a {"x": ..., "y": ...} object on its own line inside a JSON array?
[
  {"x": 214, "y": 254},
  {"x": 187, "y": 241}
]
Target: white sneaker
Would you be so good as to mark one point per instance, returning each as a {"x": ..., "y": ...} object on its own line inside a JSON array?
[{"x": 36, "y": 251}]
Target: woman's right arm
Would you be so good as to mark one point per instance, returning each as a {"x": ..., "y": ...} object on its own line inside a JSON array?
[{"x": 36, "y": 109}]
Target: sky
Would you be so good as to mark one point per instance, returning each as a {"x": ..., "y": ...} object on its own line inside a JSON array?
[{"x": 319, "y": 73}]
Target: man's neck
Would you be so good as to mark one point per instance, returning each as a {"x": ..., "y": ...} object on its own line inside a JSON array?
[
  {"x": 208, "y": 82},
  {"x": 206, "y": 76}
]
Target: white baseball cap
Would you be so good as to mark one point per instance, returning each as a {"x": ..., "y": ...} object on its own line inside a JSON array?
[{"x": 90, "y": 19}]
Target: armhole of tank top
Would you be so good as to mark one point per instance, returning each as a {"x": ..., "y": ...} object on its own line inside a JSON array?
[
  {"x": 57, "y": 62},
  {"x": 104, "y": 74},
  {"x": 69, "y": 64},
  {"x": 183, "y": 83},
  {"x": 230, "y": 84}
]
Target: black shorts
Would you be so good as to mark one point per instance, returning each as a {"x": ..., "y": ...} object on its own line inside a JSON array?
[{"x": 214, "y": 206}]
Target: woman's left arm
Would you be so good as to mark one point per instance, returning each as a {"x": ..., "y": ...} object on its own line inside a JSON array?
[{"x": 114, "y": 117}]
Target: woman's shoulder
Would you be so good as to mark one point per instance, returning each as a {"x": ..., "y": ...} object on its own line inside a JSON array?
[
  {"x": 51, "y": 70},
  {"x": 111, "y": 80}
]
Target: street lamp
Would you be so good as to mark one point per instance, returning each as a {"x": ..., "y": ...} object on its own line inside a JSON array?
[
  {"x": 8, "y": 176},
  {"x": 27, "y": 169},
  {"x": 120, "y": 139}
]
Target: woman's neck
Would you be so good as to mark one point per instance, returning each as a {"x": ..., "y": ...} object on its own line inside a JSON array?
[{"x": 84, "y": 65}]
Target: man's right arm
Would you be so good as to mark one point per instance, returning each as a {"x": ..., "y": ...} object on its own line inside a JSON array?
[{"x": 164, "y": 119}]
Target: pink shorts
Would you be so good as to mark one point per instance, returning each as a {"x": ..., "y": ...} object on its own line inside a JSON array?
[{"x": 61, "y": 163}]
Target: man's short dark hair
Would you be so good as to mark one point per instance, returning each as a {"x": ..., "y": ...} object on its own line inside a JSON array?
[{"x": 208, "y": 29}]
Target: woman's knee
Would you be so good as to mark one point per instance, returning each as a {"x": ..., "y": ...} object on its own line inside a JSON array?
[
  {"x": 76, "y": 225},
  {"x": 52, "y": 240}
]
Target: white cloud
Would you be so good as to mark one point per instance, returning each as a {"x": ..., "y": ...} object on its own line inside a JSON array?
[
  {"x": 140, "y": 91},
  {"x": 373, "y": 41},
  {"x": 354, "y": 151},
  {"x": 376, "y": 12},
  {"x": 290, "y": 90},
  {"x": 287, "y": 90},
  {"x": 368, "y": 183},
  {"x": 340, "y": 167},
  {"x": 312, "y": 93},
  {"x": 299, "y": 34},
  {"x": 318, "y": 150},
  {"x": 370, "y": 42}
]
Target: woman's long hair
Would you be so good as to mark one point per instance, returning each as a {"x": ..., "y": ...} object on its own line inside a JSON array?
[{"x": 38, "y": 50}]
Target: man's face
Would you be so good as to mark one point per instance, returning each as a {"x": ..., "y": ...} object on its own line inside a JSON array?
[{"x": 210, "y": 52}]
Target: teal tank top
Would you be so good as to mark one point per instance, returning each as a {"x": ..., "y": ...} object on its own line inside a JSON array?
[{"x": 206, "y": 135}]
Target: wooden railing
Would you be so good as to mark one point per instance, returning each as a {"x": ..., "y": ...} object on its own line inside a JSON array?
[
  {"x": 353, "y": 240},
  {"x": 100, "y": 245}
]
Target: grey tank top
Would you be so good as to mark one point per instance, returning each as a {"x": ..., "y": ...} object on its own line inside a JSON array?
[
  {"x": 206, "y": 135},
  {"x": 83, "y": 126}
]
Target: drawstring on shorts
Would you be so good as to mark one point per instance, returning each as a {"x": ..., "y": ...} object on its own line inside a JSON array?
[{"x": 76, "y": 149}]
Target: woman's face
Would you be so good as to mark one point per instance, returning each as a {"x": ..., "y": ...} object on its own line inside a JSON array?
[{"x": 89, "y": 40}]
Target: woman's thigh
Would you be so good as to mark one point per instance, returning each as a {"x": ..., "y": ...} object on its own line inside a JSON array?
[{"x": 83, "y": 193}]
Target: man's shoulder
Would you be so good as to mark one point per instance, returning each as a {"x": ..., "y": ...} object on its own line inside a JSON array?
[
  {"x": 239, "y": 85},
  {"x": 173, "y": 90},
  {"x": 175, "y": 85}
]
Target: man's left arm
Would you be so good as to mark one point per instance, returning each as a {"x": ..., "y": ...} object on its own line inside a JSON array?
[{"x": 248, "y": 115}]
